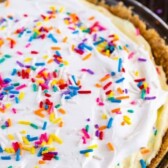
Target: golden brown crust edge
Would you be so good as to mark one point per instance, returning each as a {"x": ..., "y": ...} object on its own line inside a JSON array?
[{"x": 159, "y": 50}]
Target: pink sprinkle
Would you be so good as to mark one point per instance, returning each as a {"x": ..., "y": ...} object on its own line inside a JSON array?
[
  {"x": 101, "y": 104},
  {"x": 14, "y": 110},
  {"x": 21, "y": 87},
  {"x": 28, "y": 45},
  {"x": 148, "y": 90},
  {"x": 137, "y": 32},
  {"x": 19, "y": 53},
  {"x": 98, "y": 100},
  {"x": 84, "y": 140},
  {"x": 133, "y": 103},
  {"x": 40, "y": 72},
  {"x": 131, "y": 55},
  {"x": 85, "y": 133}
]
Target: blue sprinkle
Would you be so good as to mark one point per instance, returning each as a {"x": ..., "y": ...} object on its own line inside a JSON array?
[
  {"x": 120, "y": 80},
  {"x": 109, "y": 125},
  {"x": 143, "y": 164},
  {"x": 86, "y": 151},
  {"x": 44, "y": 125},
  {"x": 52, "y": 38},
  {"x": 67, "y": 97},
  {"x": 40, "y": 152},
  {"x": 88, "y": 47},
  {"x": 73, "y": 77},
  {"x": 18, "y": 155},
  {"x": 40, "y": 64},
  {"x": 74, "y": 87},
  {"x": 14, "y": 92},
  {"x": 6, "y": 157},
  {"x": 9, "y": 88},
  {"x": 1, "y": 150},
  {"x": 16, "y": 100},
  {"x": 75, "y": 32},
  {"x": 7, "y": 80},
  {"x": 114, "y": 100},
  {"x": 113, "y": 73},
  {"x": 119, "y": 65},
  {"x": 14, "y": 72}
]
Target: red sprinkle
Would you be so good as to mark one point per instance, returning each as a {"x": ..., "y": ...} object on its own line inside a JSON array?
[
  {"x": 107, "y": 85},
  {"x": 140, "y": 80},
  {"x": 101, "y": 135},
  {"x": 34, "y": 52},
  {"x": 84, "y": 91}
]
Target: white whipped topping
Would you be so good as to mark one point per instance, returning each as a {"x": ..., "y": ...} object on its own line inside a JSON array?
[{"x": 125, "y": 139}]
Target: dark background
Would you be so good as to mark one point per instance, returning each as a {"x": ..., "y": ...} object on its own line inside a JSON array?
[{"x": 160, "y": 7}]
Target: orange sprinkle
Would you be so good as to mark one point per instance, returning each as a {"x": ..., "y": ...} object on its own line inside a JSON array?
[
  {"x": 55, "y": 48},
  {"x": 122, "y": 97},
  {"x": 7, "y": 3},
  {"x": 144, "y": 151},
  {"x": 65, "y": 39},
  {"x": 1, "y": 42},
  {"x": 50, "y": 61},
  {"x": 105, "y": 78},
  {"x": 119, "y": 90},
  {"x": 115, "y": 110},
  {"x": 58, "y": 31},
  {"x": 98, "y": 85},
  {"x": 110, "y": 146},
  {"x": 91, "y": 18},
  {"x": 125, "y": 48},
  {"x": 123, "y": 123},
  {"x": 39, "y": 112},
  {"x": 87, "y": 57},
  {"x": 62, "y": 111},
  {"x": 9, "y": 122},
  {"x": 78, "y": 82},
  {"x": 2, "y": 110},
  {"x": 73, "y": 47},
  {"x": 61, "y": 124},
  {"x": 102, "y": 127},
  {"x": 41, "y": 162}
]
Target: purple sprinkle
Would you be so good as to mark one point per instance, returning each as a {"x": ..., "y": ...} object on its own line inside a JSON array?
[
  {"x": 150, "y": 98},
  {"x": 55, "y": 153},
  {"x": 126, "y": 91},
  {"x": 88, "y": 119},
  {"x": 28, "y": 66},
  {"x": 159, "y": 11},
  {"x": 142, "y": 59},
  {"x": 20, "y": 64},
  {"x": 97, "y": 133},
  {"x": 94, "y": 37},
  {"x": 90, "y": 71},
  {"x": 96, "y": 126},
  {"x": 12, "y": 96}
]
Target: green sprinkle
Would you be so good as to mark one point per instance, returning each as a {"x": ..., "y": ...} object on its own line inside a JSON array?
[
  {"x": 10, "y": 167},
  {"x": 34, "y": 126},
  {"x": 120, "y": 48},
  {"x": 55, "y": 89},
  {"x": 155, "y": 132},
  {"x": 2, "y": 60},
  {"x": 86, "y": 31},
  {"x": 7, "y": 56},
  {"x": 87, "y": 128},
  {"x": 16, "y": 84},
  {"x": 130, "y": 111},
  {"x": 45, "y": 91},
  {"x": 35, "y": 88},
  {"x": 3, "y": 126},
  {"x": 58, "y": 106},
  {"x": 33, "y": 68},
  {"x": 61, "y": 65},
  {"x": 143, "y": 93},
  {"x": 56, "y": 157}
]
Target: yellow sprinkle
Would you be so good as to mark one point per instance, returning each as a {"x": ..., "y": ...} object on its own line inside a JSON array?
[
  {"x": 32, "y": 150},
  {"x": 28, "y": 59},
  {"x": 127, "y": 120},
  {"x": 43, "y": 144},
  {"x": 58, "y": 120},
  {"x": 11, "y": 137},
  {"x": 136, "y": 73},
  {"x": 8, "y": 105},
  {"x": 9, "y": 150},
  {"x": 36, "y": 166},
  {"x": 56, "y": 139},
  {"x": 52, "y": 117},
  {"x": 104, "y": 116},
  {"x": 52, "y": 8},
  {"x": 66, "y": 62},
  {"x": 145, "y": 85},
  {"x": 39, "y": 23},
  {"x": 25, "y": 141},
  {"x": 21, "y": 96},
  {"x": 23, "y": 132},
  {"x": 61, "y": 9},
  {"x": 24, "y": 122},
  {"x": 50, "y": 141},
  {"x": 93, "y": 146},
  {"x": 87, "y": 155}
]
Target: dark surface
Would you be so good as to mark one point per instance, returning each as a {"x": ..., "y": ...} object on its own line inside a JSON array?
[{"x": 160, "y": 7}]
